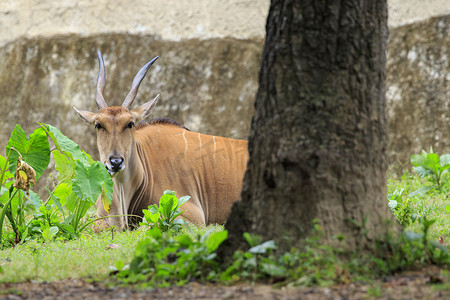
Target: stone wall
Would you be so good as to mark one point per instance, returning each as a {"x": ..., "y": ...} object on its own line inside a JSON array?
[{"x": 418, "y": 93}]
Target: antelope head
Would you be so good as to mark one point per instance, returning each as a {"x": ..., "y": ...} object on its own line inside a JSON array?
[{"x": 115, "y": 124}]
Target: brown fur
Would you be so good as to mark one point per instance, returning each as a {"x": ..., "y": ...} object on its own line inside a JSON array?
[
  {"x": 158, "y": 121},
  {"x": 161, "y": 155}
]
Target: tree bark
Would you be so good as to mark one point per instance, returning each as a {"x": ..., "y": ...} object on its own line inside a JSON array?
[{"x": 318, "y": 139}]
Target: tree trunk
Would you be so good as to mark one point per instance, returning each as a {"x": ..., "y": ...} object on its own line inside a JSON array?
[{"x": 318, "y": 139}]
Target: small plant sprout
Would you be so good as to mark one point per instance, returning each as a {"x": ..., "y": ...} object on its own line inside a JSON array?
[
  {"x": 432, "y": 167},
  {"x": 165, "y": 215}
]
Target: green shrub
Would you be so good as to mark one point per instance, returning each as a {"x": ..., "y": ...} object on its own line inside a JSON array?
[{"x": 162, "y": 259}]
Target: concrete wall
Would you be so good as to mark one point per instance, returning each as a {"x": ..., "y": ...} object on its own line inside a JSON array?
[{"x": 418, "y": 93}]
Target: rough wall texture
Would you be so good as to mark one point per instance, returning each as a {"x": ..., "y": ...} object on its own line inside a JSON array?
[
  {"x": 209, "y": 85},
  {"x": 418, "y": 94}
]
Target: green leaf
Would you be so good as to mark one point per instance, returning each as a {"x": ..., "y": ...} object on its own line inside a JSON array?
[
  {"x": 64, "y": 165},
  {"x": 179, "y": 222},
  {"x": 7, "y": 174},
  {"x": 119, "y": 265},
  {"x": 147, "y": 215},
  {"x": 88, "y": 181},
  {"x": 184, "y": 240},
  {"x": 64, "y": 144},
  {"x": 72, "y": 202},
  {"x": 35, "y": 151},
  {"x": 155, "y": 233},
  {"x": 432, "y": 162},
  {"x": 4, "y": 198},
  {"x": 422, "y": 191},
  {"x": 183, "y": 200},
  {"x": 417, "y": 160},
  {"x": 215, "y": 239},
  {"x": 152, "y": 215},
  {"x": 422, "y": 171},
  {"x": 106, "y": 200},
  {"x": 55, "y": 200},
  {"x": 63, "y": 192},
  {"x": 447, "y": 208},
  {"x": 392, "y": 204},
  {"x": 252, "y": 239},
  {"x": 107, "y": 186},
  {"x": 65, "y": 226},
  {"x": 168, "y": 192},
  {"x": 262, "y": 248},
  {"x": 34, "y": 199},
  {"x": 154, "y": 209},
  {"x": 4, "y": 211},
  {"x": 273, "y": 270},
  {"x": 49, "y": 233},
  {"x": 167, "y": 204},
  {"x": 445, "y": 160}
]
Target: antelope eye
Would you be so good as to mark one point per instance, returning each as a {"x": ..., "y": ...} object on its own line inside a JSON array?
[
  {"x": 98, "y": 126},
  {"x": 130, "y": 125}
]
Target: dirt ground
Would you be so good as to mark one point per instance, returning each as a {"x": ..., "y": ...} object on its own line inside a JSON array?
[{"x": 422, "y": 284}]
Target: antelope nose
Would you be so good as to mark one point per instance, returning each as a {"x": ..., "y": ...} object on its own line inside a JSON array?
[{"x": 116, "y": 163}]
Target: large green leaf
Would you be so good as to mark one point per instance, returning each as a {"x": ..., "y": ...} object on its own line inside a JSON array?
[
  {"x": 215, "y": 239},
  {"x": 64, "y": 144},
  {"x": 422, "y": 171},
  {"x": 445, "y": 160},
  {"x": 7, "y": 175},
  {"x": 88, "y": 181},
  {"x": 432, "y": 162},
  {"x": 167, "y": 203},
  {"x": 4, "y": 198},
  {"x": 34, "y": 199},
  {"x": 63, "y": 191},
  {"x": 64, "y": 165},
  {"x": 35, "y": 151},
  {"x": 107, "y": 184},
  {"x": 417, "y": 160}
]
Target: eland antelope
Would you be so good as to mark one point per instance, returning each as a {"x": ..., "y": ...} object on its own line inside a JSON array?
[{"x": 145, "y": 158}]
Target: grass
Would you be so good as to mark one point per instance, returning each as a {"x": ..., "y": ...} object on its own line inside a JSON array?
[{"x": 88, "y": 256}]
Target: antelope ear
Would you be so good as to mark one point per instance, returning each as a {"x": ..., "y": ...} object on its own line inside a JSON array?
[
  {"x": 86, "y": 116},
  {"x": 144, "y": 110}
]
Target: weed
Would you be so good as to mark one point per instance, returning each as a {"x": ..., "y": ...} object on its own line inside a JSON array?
[
  {"x": 400, "y": 206},
  {"x": 162, "y": 259},
  {"x": 164, "y": 216},
  {"x": 432, "y": 167}
]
